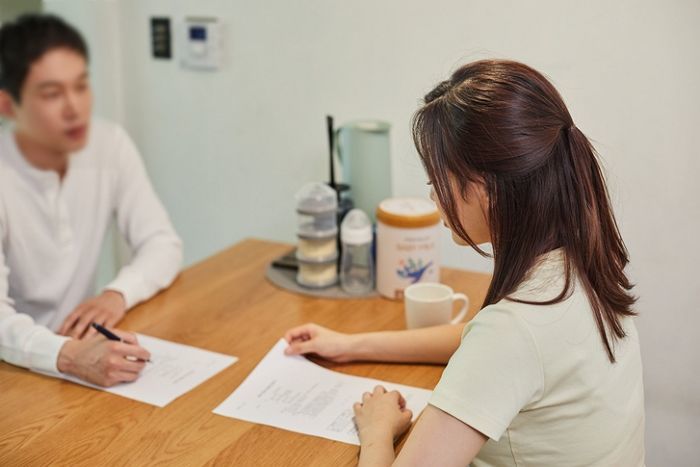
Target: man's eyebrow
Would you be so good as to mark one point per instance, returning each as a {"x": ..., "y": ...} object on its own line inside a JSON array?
[{"x": 50, "y": 84}]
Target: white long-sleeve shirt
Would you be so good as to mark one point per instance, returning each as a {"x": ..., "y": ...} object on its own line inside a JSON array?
[{"x": 52, "y": 232}]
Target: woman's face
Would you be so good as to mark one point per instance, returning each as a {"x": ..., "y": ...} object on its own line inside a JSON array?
[{"x": 472, "y": 213}]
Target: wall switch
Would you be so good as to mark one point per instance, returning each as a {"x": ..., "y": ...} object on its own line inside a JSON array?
[
  {"x": 161, "y": 38},
  {"x": 201, "y": 43}
]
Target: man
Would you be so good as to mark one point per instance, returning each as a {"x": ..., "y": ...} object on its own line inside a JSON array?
[{"x": 63, "y": 177}]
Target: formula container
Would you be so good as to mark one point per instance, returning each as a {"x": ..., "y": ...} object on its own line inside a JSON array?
[
  {"x": 407, "y": 244},
  {"x": 317, "y": 231},
  {"x": 317, "y": 275}
]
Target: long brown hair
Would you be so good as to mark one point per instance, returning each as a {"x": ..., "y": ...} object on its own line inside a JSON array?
[{"x": 504, "y": 124}]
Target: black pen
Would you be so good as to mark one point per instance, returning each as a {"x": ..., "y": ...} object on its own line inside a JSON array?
[{"x": 113, "y": 337}]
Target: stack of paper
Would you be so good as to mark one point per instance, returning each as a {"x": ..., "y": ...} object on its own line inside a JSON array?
[{"x": 298, "y": 395}]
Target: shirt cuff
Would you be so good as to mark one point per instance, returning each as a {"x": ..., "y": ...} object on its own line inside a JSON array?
[
  {"x": 130, "y": 285},
  {"x": 48, "y": 346}
]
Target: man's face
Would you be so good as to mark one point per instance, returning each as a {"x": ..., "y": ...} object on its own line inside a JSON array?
[{"x": 55, "y": 102}]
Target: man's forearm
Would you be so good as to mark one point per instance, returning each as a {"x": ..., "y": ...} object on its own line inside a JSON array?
[
  {"x": 27, "y": 344},
  {"x": 151, "y": 270}
]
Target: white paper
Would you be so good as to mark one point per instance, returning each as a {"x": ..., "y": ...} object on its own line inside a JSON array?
[
  {"x": 174, "y": 370},
  {"x": 294, "y": 393}
]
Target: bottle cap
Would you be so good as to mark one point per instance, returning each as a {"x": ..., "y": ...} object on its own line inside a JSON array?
[
  {"x": 356, "y": 228},
  {"x": 408, "y": 212}
]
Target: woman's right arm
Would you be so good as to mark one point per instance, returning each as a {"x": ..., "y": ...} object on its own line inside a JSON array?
[{"x": 424, "y": 345}]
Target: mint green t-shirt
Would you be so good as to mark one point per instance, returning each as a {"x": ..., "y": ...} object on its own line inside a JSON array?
[{"x": 536, "y": 380}]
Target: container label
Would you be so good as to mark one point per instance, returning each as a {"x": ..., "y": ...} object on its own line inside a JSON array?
[
  {"x": 412, "y": 269},
  {"x": 405, "y": 257}
]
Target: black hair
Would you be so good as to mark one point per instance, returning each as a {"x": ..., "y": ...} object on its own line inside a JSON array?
[{"x": 26, "y": 40}]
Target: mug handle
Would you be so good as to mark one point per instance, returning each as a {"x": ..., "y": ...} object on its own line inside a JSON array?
[{"x": 463, "y": 311}]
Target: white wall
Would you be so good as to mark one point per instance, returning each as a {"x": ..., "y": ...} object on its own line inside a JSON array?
[
  {"x": 10, "y": 9},
  {"x": 227, "y": 150}
]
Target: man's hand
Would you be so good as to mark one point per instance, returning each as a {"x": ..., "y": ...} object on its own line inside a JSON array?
[
  {"x": 106, "y": 309},
  {"x": 104, "y": 362}
]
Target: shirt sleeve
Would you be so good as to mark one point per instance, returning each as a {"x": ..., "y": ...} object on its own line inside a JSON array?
[
  {"x": 144, "y": 223},
  {"x": 493, "y": 375},
  {"x": 22, "y": 341}
]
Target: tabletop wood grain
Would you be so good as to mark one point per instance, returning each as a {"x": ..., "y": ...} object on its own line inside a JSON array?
[{"x": 226, "y": 305}]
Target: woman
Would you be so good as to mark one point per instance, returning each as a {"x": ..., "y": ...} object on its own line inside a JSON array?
[{"x": 549, "y": 371}]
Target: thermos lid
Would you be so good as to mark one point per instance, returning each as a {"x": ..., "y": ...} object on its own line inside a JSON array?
[
  {"x": 356, "y": 228},
  {"x": 408, "y": 212},
  {"x": 372, "y": 126}
]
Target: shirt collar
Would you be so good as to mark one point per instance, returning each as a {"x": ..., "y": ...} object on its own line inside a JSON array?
[{"x": 42, "y": 179}]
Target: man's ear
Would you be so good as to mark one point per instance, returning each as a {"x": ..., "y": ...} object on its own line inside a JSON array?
[{"x": 7, "y": 108}]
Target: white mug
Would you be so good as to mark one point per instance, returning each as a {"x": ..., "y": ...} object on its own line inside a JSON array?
[{"x": 430, "y": 304}]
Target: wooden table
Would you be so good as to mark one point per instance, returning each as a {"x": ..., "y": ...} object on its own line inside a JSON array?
[{"x": 223, "y": 304}]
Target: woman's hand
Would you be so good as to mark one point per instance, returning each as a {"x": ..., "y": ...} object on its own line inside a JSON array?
[
  {"x": 381, "y": 417},
  {"x": 314, "y": 339}
]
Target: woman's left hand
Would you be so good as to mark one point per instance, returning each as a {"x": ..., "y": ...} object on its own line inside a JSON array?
[{"x": 381, "y": 416}]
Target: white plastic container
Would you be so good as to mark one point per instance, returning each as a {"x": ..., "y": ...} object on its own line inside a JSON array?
[
  {"x": 317, "y": 211},
  {"x": 317, "y": 230},
  {"x": 407, "y": 244},
  {"x": 317, "y": 274}
]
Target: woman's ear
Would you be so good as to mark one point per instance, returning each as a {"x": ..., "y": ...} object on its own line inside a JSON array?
[
  {"x": 483, "y": 195},
  {"x": 7, "y": 108},
  {"x": 479, "y": 192}
]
